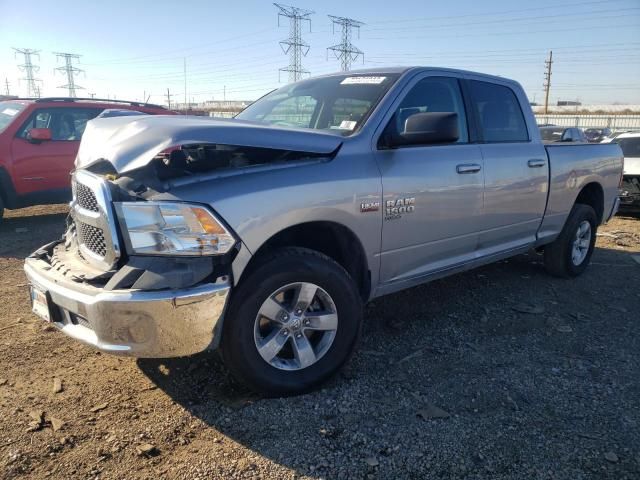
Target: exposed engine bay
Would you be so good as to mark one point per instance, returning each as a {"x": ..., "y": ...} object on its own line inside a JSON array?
[{"x": 194, "y": 159}]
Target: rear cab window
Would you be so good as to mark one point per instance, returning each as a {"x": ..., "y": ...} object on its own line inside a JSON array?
[
  {"x": 630, "y": 146},
  {"x": 9, "y": 111},
  {"x": 498, "y": 112}
]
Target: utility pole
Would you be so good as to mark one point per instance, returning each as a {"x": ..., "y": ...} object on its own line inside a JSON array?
[
  {"x": 169, "y": 99},
  {"x": 294, "y": 46},
  {"x": 30, "y": 69},
  {"x": 70, "y": 71},
  {"x": 185, "y": 86},
  {"x": 547, "y": 81},
  {"x": 6, "y": 84},
  {"x": 345, "y": 51}
]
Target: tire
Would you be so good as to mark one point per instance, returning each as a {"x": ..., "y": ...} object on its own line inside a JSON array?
[
  {"x": 289, "y": 372},
  {"x": 559, "y": 259}
]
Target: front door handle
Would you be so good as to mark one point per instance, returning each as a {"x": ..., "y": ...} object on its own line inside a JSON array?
[
  {"x": 535, "y": 163},
  {"x": 468, "y": 168}
]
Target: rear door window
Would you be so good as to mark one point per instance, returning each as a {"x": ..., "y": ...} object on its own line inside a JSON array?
[{"x": 499, "y": 113}]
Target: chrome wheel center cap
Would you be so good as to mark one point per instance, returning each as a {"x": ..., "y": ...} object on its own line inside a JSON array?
[{"x": 295, "y": 323}]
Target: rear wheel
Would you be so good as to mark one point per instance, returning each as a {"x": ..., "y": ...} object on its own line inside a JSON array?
[
  {"x": 570, "y": 253},
  {"x": 292, "y": 323}
]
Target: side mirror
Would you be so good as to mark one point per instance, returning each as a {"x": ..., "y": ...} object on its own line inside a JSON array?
[
  {"x": 428, "y": 128},
  {"x": 38, "y": 135}
]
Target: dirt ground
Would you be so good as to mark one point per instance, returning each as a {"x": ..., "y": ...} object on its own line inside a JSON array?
[{"x": 502, "y": 372}]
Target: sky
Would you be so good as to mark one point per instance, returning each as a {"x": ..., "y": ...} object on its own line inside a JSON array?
[{"x": 137, "y": 49}]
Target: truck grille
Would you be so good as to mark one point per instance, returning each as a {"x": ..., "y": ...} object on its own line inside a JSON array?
[
  {"x": 92, "y": 215},
  {"x": 85, "y": 197},
  {"x": 92, "y": 238}
]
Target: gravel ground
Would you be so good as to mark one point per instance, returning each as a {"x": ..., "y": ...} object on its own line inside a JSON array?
[{"x": 502, "y": 372}]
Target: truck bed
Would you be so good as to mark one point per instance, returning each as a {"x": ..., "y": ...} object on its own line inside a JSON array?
[{"x": 573, "y": 166}]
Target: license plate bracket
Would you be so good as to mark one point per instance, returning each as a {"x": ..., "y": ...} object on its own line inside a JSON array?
[{"x": 40, "y": 303}]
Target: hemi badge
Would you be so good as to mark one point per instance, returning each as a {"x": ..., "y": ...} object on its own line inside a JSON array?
[{"x": 369, "y": 207}]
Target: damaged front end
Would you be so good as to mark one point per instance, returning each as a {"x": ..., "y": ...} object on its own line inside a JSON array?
[
  {"x": 139, "y": 270},
  {"x": 94, "y": 290}
]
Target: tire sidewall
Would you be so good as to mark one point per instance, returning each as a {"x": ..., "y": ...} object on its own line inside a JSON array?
[
  {"x": 581, "y": 214},
  {"x": 238, "y": 345}
]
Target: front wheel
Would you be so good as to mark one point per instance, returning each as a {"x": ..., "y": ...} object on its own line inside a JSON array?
[
  {"x": 292, "y": 323},
  {"x": 570, "y": 253}
]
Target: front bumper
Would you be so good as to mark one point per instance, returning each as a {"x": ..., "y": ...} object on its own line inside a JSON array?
[{"x": 155, "y": 324}]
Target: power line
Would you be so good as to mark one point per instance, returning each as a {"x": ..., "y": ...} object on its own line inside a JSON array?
[
  {"x": 294, "y": 45},
  {"x": 520, "y": 32},
  {"x": 70, "y": 71},
  {"x": 30, "y": 69},
  {"x": 346, "y": 51},
  {"x": 494, "y": 13},
  {"x": 547, "y": 81}
]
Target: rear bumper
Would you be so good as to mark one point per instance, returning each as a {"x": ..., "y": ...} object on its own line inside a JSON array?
[{"x": 156, "y": 324}]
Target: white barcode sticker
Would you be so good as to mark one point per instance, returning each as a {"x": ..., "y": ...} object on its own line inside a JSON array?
[
  {"x": 363, "y": 80},
  {"x": 348, "y": 125}
]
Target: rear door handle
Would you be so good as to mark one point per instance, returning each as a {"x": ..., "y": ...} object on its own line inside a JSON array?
[
  {"x": 535, "y": 163},
  {"x": 468, "y": 168}
]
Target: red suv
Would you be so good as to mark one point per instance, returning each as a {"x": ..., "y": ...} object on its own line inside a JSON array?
[{"x": 39, "y": 139}]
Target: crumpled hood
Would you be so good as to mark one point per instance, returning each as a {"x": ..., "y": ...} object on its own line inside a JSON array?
[{"x": 132, "y": 142}]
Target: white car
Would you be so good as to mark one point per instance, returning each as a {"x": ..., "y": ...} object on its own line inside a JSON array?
[{"x": 630, "y": 144}]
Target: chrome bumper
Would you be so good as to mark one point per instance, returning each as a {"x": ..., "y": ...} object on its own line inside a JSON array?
[{"x": 156, "y": 324}]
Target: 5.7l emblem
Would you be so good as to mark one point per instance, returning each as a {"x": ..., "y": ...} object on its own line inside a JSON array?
[{"x": 396, "y": 208}]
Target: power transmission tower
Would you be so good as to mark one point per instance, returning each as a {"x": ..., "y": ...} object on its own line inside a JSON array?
[
  {"x": 30, "y": 69},
  {"x": 547, "y": 81},
  {"x": 70, "y": 71},
  {"x": 345, "y": 51},
  {"x": 6, "y": 84},
  {"x": 294, "y": 46}
]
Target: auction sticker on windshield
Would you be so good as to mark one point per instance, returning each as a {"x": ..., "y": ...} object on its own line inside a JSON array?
[
  {"x": 363, "y": 81},
  {"x": 10, "y": 111}
]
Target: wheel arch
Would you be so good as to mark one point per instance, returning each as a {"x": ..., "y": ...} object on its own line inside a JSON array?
[
  {"x": 7, "y": 190},
  {"x": 592, "y": 194},
  {"x": 330, "y": 238}
]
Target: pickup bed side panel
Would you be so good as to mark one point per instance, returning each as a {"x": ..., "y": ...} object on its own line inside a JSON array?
[
  {"x": 258, "y": 205},
  {"x": 573, "y": 167}
]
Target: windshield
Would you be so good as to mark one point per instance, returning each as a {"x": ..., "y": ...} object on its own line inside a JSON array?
[
  {"x": 339, "y": 103},
  {"x": 551, "y": 134},
  {"x": 630, "y": 146},
  {"x": 9, "y": 111}
]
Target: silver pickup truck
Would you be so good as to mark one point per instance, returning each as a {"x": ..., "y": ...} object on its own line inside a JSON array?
[{"x": 265, "y": 234}]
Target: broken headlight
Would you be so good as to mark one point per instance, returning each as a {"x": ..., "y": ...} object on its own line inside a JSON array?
[{"x": 172, "y": 228}]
